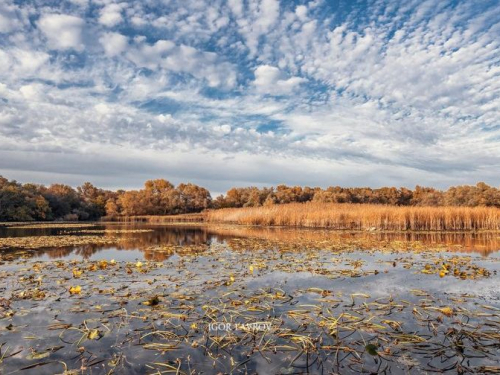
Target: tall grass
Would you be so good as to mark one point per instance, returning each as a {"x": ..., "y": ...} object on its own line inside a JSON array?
[{"x": 362, "y": 217}]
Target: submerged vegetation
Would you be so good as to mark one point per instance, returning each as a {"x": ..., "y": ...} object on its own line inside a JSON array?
[{"x": 35, "y": 242}]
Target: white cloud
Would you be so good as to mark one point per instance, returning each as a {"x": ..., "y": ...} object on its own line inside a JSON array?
[
  {"x": 9, "y": 20},
  {"x": 184, "y": 59},
  {"x": 111, "y": 15},
  {"x": 32, "y": 92},
  {"x": 236, "y": 7},
  {"x": 23, "y": 63},
  {"x": 301, "y": 12},
  {"x": 406, "y": 94},
  {"x": 149, "y": 56},
  {"x": 262, "y": 15},
  {"x": 113, "y": 43},
  {"x": 62, "y": 31},
  {"x": 102, "y": 109},
  {"x": 268, "y": 12},
  {"x": 222, "y": 130},
  {"x": 270, "y": 80},
  {"x": 29, "y": 61}
]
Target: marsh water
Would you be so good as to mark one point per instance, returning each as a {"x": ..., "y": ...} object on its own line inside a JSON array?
[
  {"x": 138, "y": 246},
  {"x": 185, "y": 299}
]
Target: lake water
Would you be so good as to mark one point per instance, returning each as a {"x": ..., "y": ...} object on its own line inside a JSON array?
[
  {"x": 138, "y": 245},
  {"x": 219, "y": 299}
]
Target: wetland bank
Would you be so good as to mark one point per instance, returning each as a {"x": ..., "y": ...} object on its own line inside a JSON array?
[{"x": 189, "y": 299}]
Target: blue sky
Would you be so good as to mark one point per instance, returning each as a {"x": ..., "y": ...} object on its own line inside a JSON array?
[{"x": 250, "y": 92}]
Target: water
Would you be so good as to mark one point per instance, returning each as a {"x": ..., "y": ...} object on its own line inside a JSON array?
[
  {"x": 335, "y": 302},
  {"x": 136, "y": 246}
]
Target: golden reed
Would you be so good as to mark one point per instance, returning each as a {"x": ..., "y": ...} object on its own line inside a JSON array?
[{"x": 361, "y": 217}]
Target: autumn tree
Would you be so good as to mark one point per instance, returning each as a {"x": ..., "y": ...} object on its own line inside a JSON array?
[
  {"x": 93, "y": 201},
  {"x": 22, "y": 202},
  {"x": 194, "y": 198},
  {"x": 64, "y": 202},
  {"x": 131, "y": 203},
  {"x": 427, "y": 196},
  {"x": 159, "y": 197}
]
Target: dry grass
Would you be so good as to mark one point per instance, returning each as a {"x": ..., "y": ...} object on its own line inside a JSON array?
[
  {"x": 182, "y": 218},
  {"x": 362, "y": 217}
]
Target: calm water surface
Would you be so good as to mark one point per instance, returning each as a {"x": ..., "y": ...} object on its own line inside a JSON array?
[
  {"x": 325, "y": 306},
  {"x": 138, "y": 245}
]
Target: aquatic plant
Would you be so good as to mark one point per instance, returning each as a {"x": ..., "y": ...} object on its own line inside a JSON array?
[{"x": 362, "y": 217}]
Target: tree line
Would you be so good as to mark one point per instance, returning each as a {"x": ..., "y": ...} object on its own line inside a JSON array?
[
  {"x": 471, "y": 196},
  {"x": 29, "y": 202}
]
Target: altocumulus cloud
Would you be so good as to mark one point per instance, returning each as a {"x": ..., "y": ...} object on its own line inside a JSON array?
[{"x": 254, "y": 92}]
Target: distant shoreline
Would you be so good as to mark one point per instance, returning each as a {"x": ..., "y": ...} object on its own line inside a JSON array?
[
  {"x": 331, "y": 216},
  {"x": 345, "y": 216}
]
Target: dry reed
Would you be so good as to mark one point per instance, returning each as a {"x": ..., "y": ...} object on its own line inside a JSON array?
[{"x": 362, "y": 217}]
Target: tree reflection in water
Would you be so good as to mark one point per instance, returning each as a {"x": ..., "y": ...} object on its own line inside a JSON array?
[{"x": 162, "y": 241}]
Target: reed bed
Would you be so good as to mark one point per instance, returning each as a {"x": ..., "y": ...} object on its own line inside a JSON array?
[{"x": 362, "y": 217}]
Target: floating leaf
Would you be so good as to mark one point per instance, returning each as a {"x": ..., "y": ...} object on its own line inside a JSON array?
[
  {"x": 75, "y": 289},
  {"x": 94, "y": 334},
  {"x": 152, "y": 301},
  {"x": 39, "y": 355},
  {"x": 77, "y": 273},
  {"x": 36, "y": 355},
  {"x": 448, "y": 311}
]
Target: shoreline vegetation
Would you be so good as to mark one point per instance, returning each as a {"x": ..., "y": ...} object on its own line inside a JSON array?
[
  {"x": 342, "y": 216},
  {"x": 348, "y": 216},
  {"x": 460, "y": 208}
]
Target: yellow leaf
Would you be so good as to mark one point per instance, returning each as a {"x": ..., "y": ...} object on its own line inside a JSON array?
[
  {"x": 153, "y": 301},
  {"x": 251, "y": 269},
  {"x": 448, "y": 311},
  {"x": 138, "y": 264},
  {"x": 76, "y": 273},
  {"x": 75, "y": 289},
  {"x": 94, "y": 334}
]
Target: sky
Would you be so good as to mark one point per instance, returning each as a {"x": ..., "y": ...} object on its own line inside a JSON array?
[{"x": 230, "y": 93}]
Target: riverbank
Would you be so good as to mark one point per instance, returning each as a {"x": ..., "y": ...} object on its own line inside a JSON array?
[
  {"x": 362, "y": 217},
  {"x": 335, "y": 216}
]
